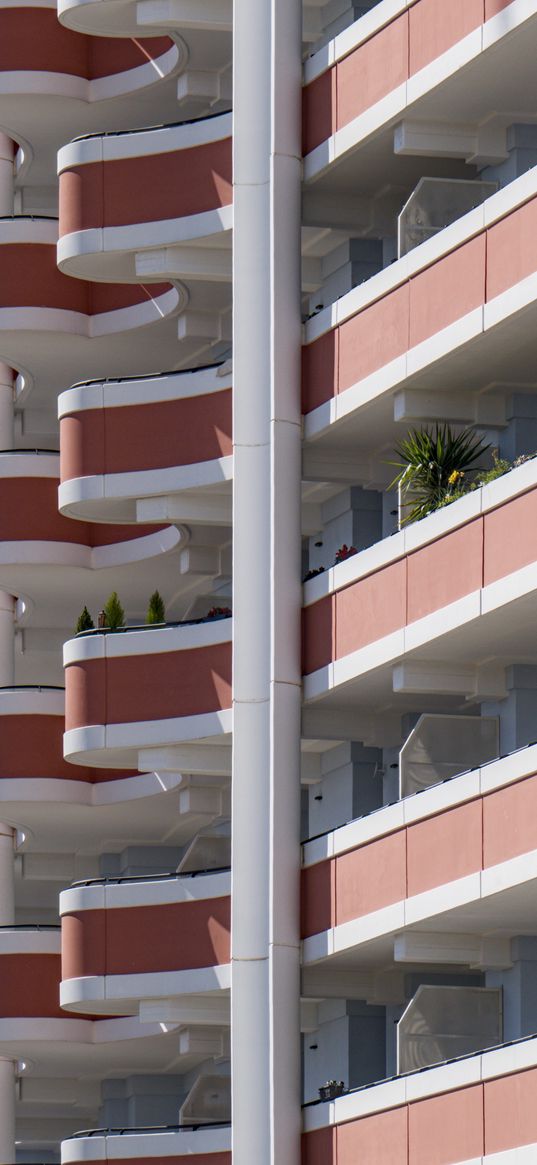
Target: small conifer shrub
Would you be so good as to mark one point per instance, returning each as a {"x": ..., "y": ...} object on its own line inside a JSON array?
[
  {"x": 84, "y": 622},
  {"x": 156, "y": 612},
  {"x": 113, "y": 612}
]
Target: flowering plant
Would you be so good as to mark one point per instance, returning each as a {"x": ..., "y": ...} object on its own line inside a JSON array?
[
  {"x": 345, "y": 552},
  {"x": 219, "y": 613}
]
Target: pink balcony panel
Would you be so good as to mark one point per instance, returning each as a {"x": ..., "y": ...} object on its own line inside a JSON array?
[
  {"x": 430, "y": 853},
  {"x": 127, "y": 689},
  {"x": 133, "y": 438},
  {"x": 144, "y": 940},
  {"x": 379, "y": 65},
  {"x": 30, "y": 986},
  {"x": 496, "y": 1116},
  {"x": 32, "y": 40},
  {"x": 449, "y": 289},
  {"x": 149, "y": 188},
  {"x": 461, "y": 562}
]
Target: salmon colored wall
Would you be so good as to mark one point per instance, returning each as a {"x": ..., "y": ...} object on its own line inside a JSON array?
[
  {"x": 431, "y": 300},
  {"x": 29, "y": 513},
  {"x": 148, "y": 687},
  {"x": 30, "y": 278},
  {"x": 146, "y": 189},
  {"x": 29, "y": 986},
  {"x": 379, "y": 65},
  {"x": 510, "y": 537},
  {"x": 32, "y": 746},
  {"x": 145, "y": 939},
  {"x": 442, "y": 572},
  {"x": 33, "y": 39},
  {"x": 152, "y": 436},
  {"x": 462, "y": 1125},
  {"x": 440, "y": 849}
]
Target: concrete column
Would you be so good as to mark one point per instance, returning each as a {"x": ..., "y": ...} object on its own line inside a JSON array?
[
  {"x": 7, "y": 640},
  {"x": 7, "y": 174},
  {"x": 7, "y": 876},
  {"x": 266, "y": 580},
  {"x": 7, "y": 1112},
  {"x": 6, "y": 406}
]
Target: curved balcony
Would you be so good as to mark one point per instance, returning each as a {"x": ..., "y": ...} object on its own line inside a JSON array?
[
  {"x": 206, "y": 1146},
  {"x": 455, "y": 588},
  {"x": 29, "y": 973},
  {"x": 133, "y": 693},
  {"x": 121, "y": 944},
  {"x": 128, "y": 18},
  {"x": 403, "y": 60},
  {"x": 163, "y": 442},
  {"x": 38, "y": 302},
  {"x": 148, "y": 204},
  {"x": 452, "y": 307},
  {"x": 483, "y": 1105},
  {"x": 34, "y": 534},
  {"x": 427, "y": 879},
  {"x": 65, "y": 64}
]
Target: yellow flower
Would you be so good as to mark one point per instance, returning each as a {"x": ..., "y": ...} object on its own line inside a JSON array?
[{"x": 455, "y": 476}]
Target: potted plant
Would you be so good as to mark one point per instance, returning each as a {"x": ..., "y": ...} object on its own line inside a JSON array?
[
  {"x": 432, "y": 463},
  {"x": 219, "y": 613},
  {"x": 331, "y": 1089},
  {"x": 345, "y": 552},
  {"x": 84, "y": 622},
  {"x": 114, "y": 615},
  {"x": 156, "y": 612}
]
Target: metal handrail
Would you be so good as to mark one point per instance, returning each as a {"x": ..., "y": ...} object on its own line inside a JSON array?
[
  {"x": 110, "y": 880},
  {"x": 148, "y": 375},
  {"x": 112, "y": 1132},
  {"x": 31, "y": 688},
  {"x": 33, "y": 926},
  {"x": 427, "y": 1068},
  {"x": 40, "y": 452},
  {"x": 150, "y": 626},
  {"x": 419, "y": 792},
  {"x": 119, "y": 133}
]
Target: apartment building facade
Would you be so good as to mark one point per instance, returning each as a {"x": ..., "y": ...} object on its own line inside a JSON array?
[{"x": 268, "y": 817}]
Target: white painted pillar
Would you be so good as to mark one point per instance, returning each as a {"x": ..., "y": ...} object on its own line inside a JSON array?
[
  {"x": 7, "y": 174},
  {"x": 7, "y": 1067},
  {"x": 266, "y": 581},
  {"x": 7, "y": 640},
  {"x": 6, "y": 406},
  {"x": 7, "y": 1112},
  {"x": 7, "y": 876}
]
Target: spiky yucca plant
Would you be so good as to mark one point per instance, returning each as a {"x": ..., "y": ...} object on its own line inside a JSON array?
[{"x": 433, "y": 462}]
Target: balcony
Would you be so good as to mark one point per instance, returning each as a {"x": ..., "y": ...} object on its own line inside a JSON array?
[
  {"x": 32, "y": 40},
  {"x": 127, "y": 18},
  {"x": 132, "y": 693},
  {"x": 38, "y": 304},
  {"x": 410, "y": 59},
  {"x": 483, "y": 1105},
  {"x": 148, "y": 204},
  {"x": 458, "y": 296},
  {"x": 141, "y": 446},
  {"x": 439, "y": 590},
  {"x": 207, "y": 1146},
  {"x": 428, "y": 879},
  {"x": 110, "y": 968}
]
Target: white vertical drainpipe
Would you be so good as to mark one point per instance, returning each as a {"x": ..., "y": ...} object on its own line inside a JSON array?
[
  {"x": 266, "y": 537},
  {"x": 6, "y": 406},
  {"x": 7, "y": 1067},
  {"x": 7, "y": 174},
  {"x": 7, "y": 1112}
]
